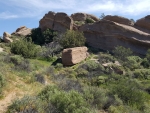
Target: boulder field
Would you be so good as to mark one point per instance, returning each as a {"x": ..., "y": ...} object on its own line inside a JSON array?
[{"x": 107, "y": 33}]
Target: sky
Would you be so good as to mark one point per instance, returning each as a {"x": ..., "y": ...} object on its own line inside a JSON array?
[{"x": 16, "y": 13}]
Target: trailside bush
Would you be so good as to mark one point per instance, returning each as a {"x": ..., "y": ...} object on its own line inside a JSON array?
[
  {"x": 25, "y": 48},
  {"x": 122, "y": 53},
  {"x": 2, "y": 83},
  {"x": 64, "y": 102},
  {"x": 40, "y": 37},
  {"x": 72, "y": 39}
]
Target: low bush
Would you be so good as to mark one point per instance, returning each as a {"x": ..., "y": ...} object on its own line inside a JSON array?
[
  {"x": 122, "y": 53},
  {"x": 25, "y": 48},
  {"x": 89, "y": 20},
  {"x": 72, "y": 39},
  {"x": 41, "y": 37},
  {"x": 2, "y": 83}
]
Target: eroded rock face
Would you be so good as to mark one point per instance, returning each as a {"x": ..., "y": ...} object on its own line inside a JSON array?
[
  {"x": 144, "y": 22},
  {"x": 6, "y": 37},
  {"x": 107, "y": 34},
  {"x": 83, "y": 17},
  {"x": 22, "y": 31},
  {"x": 73, "y": 56},
  {"x": 119, "y": 19},
  {"x": 56, "y": 21}
]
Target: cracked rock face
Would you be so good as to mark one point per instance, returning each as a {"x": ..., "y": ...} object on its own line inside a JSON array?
[
  {"x": 73, "y": 56},
  {"x": 56, "y": 21},
  {"x": 7, "y": 37}
]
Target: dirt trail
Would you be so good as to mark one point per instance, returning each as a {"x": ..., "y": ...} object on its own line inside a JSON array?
[
  {"x": 4, "y": 103},
  {"x": 1, "y": 49},
  {"x": 11, "y": 95}
]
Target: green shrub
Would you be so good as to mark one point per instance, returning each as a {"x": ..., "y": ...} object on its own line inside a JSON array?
[
  {"x": 95, "y": 96},
  {"x": 130, "y": 93},
  {"x": 141, "y": 73},
  {"x": 64, "y": 102},
  {"x": 122, "y": 53},
  {"x": 2, "y": 83},
  {"x": 105, "y": 58},
  {"x": 72, "y": 39},
  {"x": 133, "y": 62},
  {"x": 89, "y": 20},
  {"x": 25, "y": 48},
  {"x": 40, "y": 37}
]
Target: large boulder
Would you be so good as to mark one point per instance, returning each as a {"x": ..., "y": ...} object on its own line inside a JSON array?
[
  {"x": 7, "y": 37},
  {"x": 73, "y": 56},
  {"x": 56, "y": 21},
  {"x": 119, "y": 19},
  {"x": 107, "y": 35},
  {"x": 22, "y": 31},
  {"x": 83, "y": 17},
  {"x": 144, "y": 23}
]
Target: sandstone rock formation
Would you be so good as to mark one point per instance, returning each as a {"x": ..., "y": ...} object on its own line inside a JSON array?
[
  {"x": 83, "y": 17},
  {"x": 59, "y": 22},
  {"x": 22, "y": 31},
  {"x": 73, "y": 56},
  {"x": 106, "y": 35},
  {"x": 6, "y": 37},
  {"x": 119, "y": 19},
  {"x": 144, "y": 23}
]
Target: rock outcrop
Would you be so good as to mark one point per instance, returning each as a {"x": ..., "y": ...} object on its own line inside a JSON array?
[
  {"x": 119, "y": 19},
  {"x": 73, "y": 56},
  {"x": 22, "y": 31},
  {"x": 56, "y": 21},
  {"x": 6, "y": 37},
  {"x": 106, "y": 35},
  {"x": 144, "y": 23},
  {"x": 83, "y": 17}
]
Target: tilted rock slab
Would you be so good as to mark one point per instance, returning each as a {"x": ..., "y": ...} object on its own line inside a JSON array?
[
  {"x": 83, "y": 17},
  {"x": 119, "y": 19},
  {"x": 56, "y": 21},
  {"x": 71, "y": 56},
  {"x": 107, "y": 35},
  {"x": 22, "y": 31},
  {"x": 6, "y": 37}
]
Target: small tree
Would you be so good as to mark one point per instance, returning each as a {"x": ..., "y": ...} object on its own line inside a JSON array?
[
  {"x": 122, "y": 53},
  {"x": 72, "y": 39}
]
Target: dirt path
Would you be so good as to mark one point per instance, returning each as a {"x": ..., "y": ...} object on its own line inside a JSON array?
[
  {"x": 11, "y": 95},
  {"x": 1, "y": 49},
  {"x": 4, "y": 103}
]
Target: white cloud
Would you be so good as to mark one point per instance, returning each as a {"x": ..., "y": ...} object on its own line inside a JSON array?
[
  {"x": 7, "y": 15},
  {"x": 37, "y": 8}
]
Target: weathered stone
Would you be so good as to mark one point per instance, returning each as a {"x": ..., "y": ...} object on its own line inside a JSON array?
[
  {"x": 83, "y": 17},
  {"x": 6, "y": 37},
  {"x": 73, "y": 56},
  {"x": 22, "y": 31},
  {"x": 144, "y": 22},
  {"x": 107, "y": 35},
  {"x": 59, "y": 22},
  {"x": 119, "y": 19}
]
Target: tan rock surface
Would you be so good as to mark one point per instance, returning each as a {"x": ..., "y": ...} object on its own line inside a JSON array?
[
  {"x": 106, "y": 35},
  {"x": 59, "y": 22},
  {"x": 119, "y": 19},
  {"x": 22, "y": 31},
  {"x": 73, "y": 56},
  {"x": 6, "y": 37}
]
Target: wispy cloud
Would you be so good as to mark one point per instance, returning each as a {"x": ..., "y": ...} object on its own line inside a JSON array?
[
  {"x": 7, "y": 15},
  {"x": 37, "y": 8}
]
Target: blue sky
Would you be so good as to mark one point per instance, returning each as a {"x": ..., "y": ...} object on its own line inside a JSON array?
[{"x": 16, "y": 13}]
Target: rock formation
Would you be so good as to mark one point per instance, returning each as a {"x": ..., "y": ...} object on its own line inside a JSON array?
[
  {"x": 83, "y": 17},
  {"x": 22, "y": 31},
  {"x": 144, "y": 23},
  {"x": 59, "y": 22},
  {"x": 6, "y": 37},
  {"x": 119, "y": 19},
  {"x": 106, "y": 35},
  {"x": 73, "y": 56}
]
